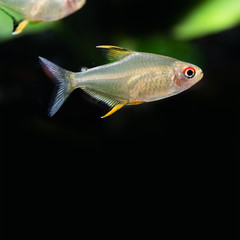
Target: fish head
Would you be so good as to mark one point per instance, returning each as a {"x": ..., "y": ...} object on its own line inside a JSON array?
[
  {"x": 73, "y": 5},
  {"x": 186, "y": 75}
]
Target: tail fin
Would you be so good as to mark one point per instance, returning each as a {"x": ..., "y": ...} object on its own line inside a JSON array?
[{"x": 62, "y": 80}]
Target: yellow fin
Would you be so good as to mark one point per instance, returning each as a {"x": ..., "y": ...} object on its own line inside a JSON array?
[
  {"x": 115, "y": 104},
  {"x": 117, "y": 107},
  {"x": 20, "y": 26},
  {"x": 115, "y": 53},
  {"x": 136, "y": 102}
]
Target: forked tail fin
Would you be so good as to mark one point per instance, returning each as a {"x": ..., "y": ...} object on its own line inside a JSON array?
[{"x": 63, "y": 86}]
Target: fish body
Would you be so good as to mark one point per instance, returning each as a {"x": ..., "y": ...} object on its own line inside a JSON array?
[
  {"x": 135, "y": 78},
  {"x": 41, "y": 10}
]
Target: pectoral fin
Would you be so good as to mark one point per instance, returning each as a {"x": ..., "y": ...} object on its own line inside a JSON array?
[
  {"x": 115, "y": 53},
  {"x": 19, "y": 26}
]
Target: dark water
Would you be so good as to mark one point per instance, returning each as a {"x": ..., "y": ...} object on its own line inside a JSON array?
[{"x": 175, "y": 157}]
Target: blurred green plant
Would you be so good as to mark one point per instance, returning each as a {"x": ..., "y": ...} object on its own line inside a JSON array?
[
  {"x": 161, "y": 44},
  {"x": 210, "y": 16}
]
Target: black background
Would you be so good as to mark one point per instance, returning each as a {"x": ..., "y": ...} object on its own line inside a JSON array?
[{"x": 163, "y": 168}]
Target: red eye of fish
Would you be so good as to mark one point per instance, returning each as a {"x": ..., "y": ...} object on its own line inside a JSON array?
[{"x": 189, "y": 72}]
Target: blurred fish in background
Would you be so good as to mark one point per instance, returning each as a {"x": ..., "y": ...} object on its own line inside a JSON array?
[{"x": 39, "y": 11}]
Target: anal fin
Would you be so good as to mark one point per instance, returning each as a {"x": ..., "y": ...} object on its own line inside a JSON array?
[
  {"x": 19, "y": 26},
  {"x": 110, "y": 101},
  {"x": 136, "y": 102},
  {"x": 117, "y": 107}
]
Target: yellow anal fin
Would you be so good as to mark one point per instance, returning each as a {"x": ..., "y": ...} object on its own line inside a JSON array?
[
  {"x": 136, "y": 102},
  {"x": 20, "y": 26},
  {"x": 115, "y": 53},
  {"x": 117, "y": 107}
]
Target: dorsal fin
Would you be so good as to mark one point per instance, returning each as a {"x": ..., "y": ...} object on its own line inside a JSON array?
[{"x": 115, "y": 53}]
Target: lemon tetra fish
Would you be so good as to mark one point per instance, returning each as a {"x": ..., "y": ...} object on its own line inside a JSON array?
[
  {"x": 39, "y": 10},
  {"x": 134, "y": 78}
]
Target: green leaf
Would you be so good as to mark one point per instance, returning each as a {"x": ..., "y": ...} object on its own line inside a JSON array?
[{"x": 210, "y": 16}]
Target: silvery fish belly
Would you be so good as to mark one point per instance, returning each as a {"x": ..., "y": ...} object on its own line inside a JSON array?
[
  {"x": 41, "y": 10},
  {"x": 134, "y": 78}
]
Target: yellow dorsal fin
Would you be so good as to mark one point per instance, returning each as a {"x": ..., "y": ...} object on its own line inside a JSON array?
[{"x": 115, "y": 53}]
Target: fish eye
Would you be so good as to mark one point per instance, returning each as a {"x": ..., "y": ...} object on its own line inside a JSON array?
[{"x": 189, "y": 72}]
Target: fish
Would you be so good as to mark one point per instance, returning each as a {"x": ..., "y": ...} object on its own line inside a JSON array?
[
  {"x": 132, "y": 78},
  {"x": 39, "y": 10}
]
